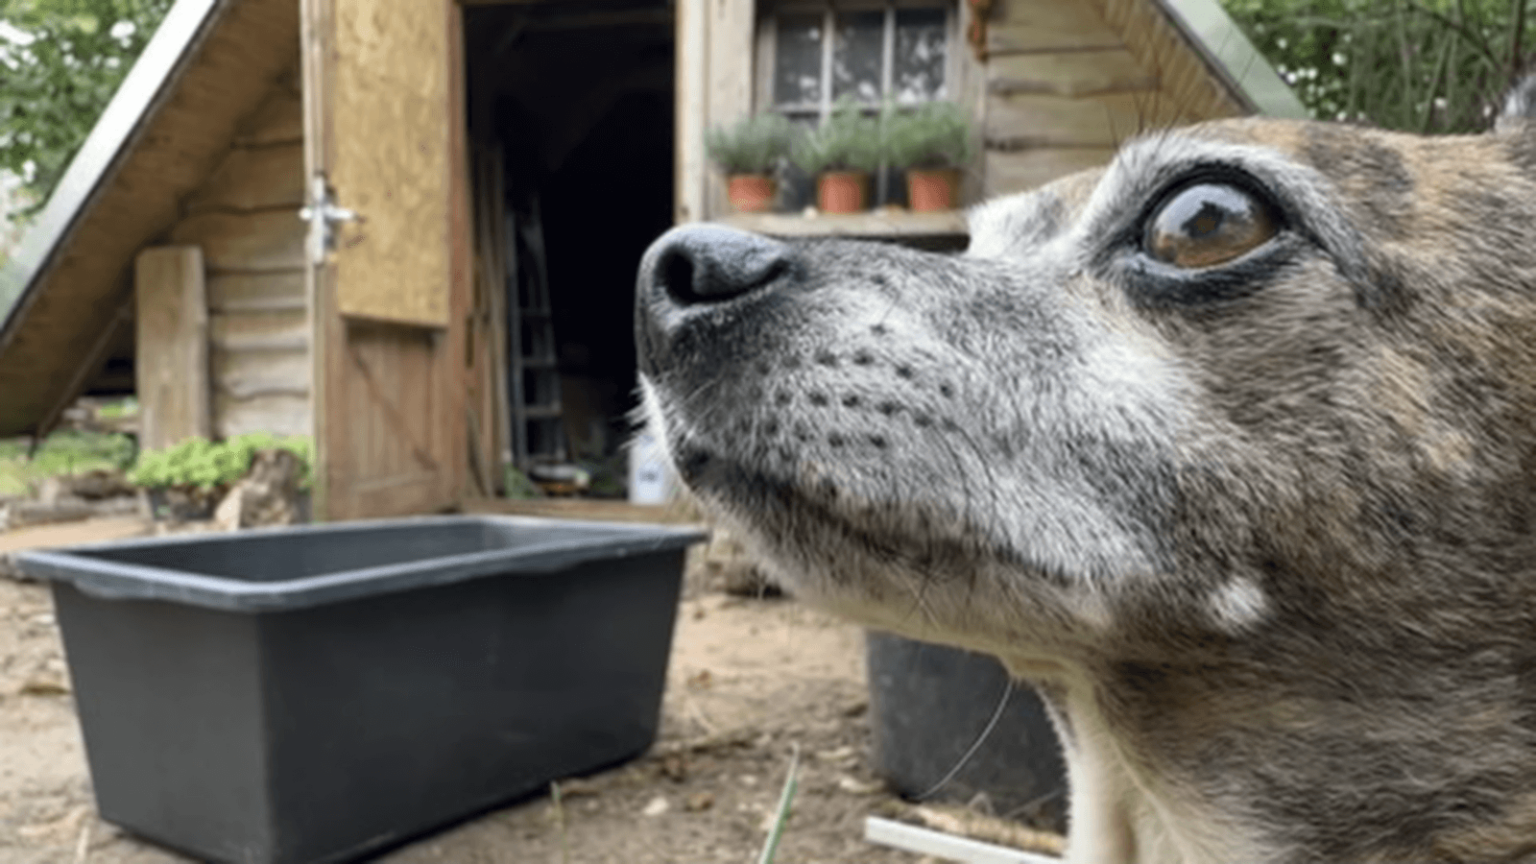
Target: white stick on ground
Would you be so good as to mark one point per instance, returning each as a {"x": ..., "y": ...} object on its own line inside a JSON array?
[{"x": 925, "y": 841}]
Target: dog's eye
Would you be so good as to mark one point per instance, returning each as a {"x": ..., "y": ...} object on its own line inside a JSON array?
[{"x": 1209, "y": 224}]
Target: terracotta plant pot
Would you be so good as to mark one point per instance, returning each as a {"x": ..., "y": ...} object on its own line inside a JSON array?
[
  {"x": 751, "y": 193},
  {"x": 842, "y": 192},
  {"x": 930, "y": 190}
]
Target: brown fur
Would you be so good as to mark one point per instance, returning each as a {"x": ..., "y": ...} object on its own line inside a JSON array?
[{"x": 1265, "y": 532}]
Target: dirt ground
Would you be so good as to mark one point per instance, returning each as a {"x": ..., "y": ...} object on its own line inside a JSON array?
[{"x": 749, "y": 680}]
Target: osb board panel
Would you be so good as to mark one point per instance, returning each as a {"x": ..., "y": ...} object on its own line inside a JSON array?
[
  {"x": 171, "y": 364},
  {"x": 1071, "y": 74},
  {"x": 262, "y": 240},
  {"x": 1019, "y": 26},
  {"x": 389, "y": 116},
  {"x": 244, "y": 374},
  {"x": 272, "y": 291},
  {"x": 1027, "y": 169},
  {"x": 275, "y": 331},
  {"x": 279, "y": 414},
  {"x": 179, "y": 146},
  {"x": 255, "y": 178},
  {"x": 1014, "y": 122}
]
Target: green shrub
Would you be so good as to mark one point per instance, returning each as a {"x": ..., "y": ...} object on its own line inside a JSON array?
[
  {"x": 848, "y": 140},
  {"x": 932, "y": 135},
  {"x": 204, "y": 464},
  {"x": 753, "y": 145},
  {"x": 62, "y": 453}
]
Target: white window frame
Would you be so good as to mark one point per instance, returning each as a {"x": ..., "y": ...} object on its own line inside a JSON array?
[{"x": 767, "y": 48}]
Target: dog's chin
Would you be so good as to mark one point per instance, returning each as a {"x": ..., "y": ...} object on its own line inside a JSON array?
[{"x": 901, "y": 566}]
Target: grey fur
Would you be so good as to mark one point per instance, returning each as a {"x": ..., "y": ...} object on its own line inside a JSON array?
[{"x": 1264, "y": 532}]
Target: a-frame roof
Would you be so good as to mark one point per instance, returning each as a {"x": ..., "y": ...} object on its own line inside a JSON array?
[{"x": 67, "y": 292}]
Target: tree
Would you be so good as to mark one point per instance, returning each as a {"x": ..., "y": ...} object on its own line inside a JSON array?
[
  {"x": 1427, "y": 66},
  {"x": 60, "y": 63}
]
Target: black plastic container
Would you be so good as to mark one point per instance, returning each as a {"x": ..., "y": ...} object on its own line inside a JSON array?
[
  {"x": 313, "y": 694},
  {"x": 930, "y": 704}
]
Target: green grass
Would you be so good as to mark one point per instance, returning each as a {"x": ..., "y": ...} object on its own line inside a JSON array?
[{"x": 61, "y": 453}]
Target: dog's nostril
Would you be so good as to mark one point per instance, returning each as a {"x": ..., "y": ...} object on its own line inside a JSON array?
[{"x": 674, "y": 275}]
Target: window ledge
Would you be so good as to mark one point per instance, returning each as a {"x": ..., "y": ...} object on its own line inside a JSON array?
[{"x": 900, "y": 223}]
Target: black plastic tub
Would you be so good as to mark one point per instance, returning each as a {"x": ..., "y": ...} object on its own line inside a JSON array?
[
  {"x": 931, "y": 704},
  {"x": 317, "y": 693}
]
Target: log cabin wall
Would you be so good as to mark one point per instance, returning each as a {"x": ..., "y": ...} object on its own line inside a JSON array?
[
  {"x": 245, "y": 220},
  {"x": 1068, "y": 81}
]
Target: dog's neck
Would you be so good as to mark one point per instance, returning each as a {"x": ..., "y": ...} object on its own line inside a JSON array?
[{"x": 1121, "y": 813}]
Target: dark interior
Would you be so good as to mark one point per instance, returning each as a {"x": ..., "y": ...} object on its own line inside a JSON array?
[{"x": 580, "y": 98}]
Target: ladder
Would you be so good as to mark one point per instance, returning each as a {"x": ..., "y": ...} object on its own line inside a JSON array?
[{"x": 538, "y": 421}]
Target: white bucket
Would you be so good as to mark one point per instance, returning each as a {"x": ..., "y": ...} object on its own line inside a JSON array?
[{"x": 650, "y": 478}]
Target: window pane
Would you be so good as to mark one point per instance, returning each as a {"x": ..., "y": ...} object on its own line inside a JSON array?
[
  {"x": 919, "y": 60},
  {"x": 797, "y": 61},
  {"x": 856, "y": 55}
]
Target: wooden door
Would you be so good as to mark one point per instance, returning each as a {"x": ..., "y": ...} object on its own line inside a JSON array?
[{"x": 384, "y": 151}]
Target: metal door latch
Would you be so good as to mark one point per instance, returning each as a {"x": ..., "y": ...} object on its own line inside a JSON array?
[{"x": 322, "y": 214}]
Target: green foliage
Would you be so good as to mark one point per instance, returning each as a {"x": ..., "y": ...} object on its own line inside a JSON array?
[
  {"x": 848, "y": 140},
  {"x": 61, "y": 61},
  {"x": 61, "y": 453},
  {"x": 518, "y": 486},
  {"x": 1426, "y": 66},
  {"x": 752, "y": 145},
  {"x": 126, "y": 407},
  {"x": 782, "y": 812},
  {"x": 204, "y": 464},
  {"x": 932, "y": 135}
]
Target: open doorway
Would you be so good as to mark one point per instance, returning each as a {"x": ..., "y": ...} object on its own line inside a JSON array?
[{"x": 577, "y": 103}]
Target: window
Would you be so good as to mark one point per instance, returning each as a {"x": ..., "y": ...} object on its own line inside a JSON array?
[
  {"x": 885, "y": 50},
  {"x": 812, "y": 55}
]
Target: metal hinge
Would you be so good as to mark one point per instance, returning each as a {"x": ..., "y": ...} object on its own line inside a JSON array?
[{"x": 322, "y": 214}]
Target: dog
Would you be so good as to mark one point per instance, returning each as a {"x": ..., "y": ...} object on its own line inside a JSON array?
[{"x": 1227, "y": 448}]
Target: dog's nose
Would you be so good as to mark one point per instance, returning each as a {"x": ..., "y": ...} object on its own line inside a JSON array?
[
  {"x": 686, "y": 278},
  {"x": 698, "y": 264}
]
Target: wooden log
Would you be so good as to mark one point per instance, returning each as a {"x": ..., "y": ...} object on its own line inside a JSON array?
[
  {"x": 280, "y": 414},
  {"x": 171, "y": 316},
  {"x": 254, "y": 178},
  {"x": 1027, "y": 169},
  {"x": 261, "y": 241},
  {"x": 1028, "y": 26},
  {"x": 277, "y": 331},
  {"x": 247, "y": 374},
  {"x": 1072, "y": 74},
  {"x": 278, "y": 120},
  {"x": 1109, "y": 120},
  {"x": 275, "y": 291}
]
